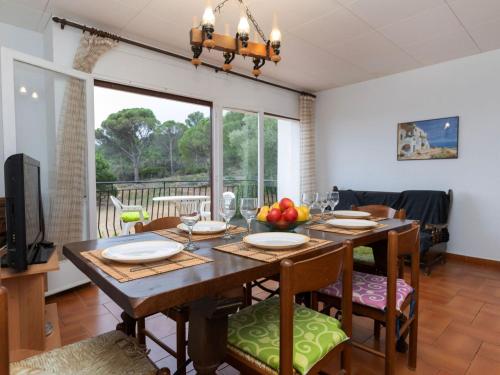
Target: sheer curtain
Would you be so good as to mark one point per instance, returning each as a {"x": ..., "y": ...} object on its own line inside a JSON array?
[
  {"x": 67, "y": 198},
  {"x": 307, "y": 144}
]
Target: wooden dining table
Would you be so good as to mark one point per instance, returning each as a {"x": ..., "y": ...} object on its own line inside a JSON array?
[{"x": 203, "y": 287}]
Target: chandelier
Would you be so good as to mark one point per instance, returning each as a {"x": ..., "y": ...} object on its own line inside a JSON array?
[{"x": 203, "y": 35}]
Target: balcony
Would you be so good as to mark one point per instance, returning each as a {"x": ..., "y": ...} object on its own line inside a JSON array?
[{"x": 143, "y": 192}]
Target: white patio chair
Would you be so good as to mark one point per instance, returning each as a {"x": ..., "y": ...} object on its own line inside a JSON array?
[
  {"x": 129, "y": 215},
  {"x": 205, "y": 212}
]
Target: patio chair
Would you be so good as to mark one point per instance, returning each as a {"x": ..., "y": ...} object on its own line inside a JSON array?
[{"x": 129, "y": 215}]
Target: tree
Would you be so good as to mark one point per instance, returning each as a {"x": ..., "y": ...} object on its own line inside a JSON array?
[
  {"x": 194, "y": 119},
  {"x": 168, "y": 135},
  {"x": 103, "y": 171},
  {"x": 194, "y": 146},
  {"x": 128, "y": 134}
]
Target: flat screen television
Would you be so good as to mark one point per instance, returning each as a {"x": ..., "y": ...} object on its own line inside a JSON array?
[{"x": 24, "y": 213}]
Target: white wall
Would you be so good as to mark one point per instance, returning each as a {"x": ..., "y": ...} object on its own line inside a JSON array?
[{"x": 356, "y": 137}]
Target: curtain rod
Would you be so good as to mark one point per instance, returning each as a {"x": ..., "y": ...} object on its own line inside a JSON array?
[{"x": 64, "y": 22}]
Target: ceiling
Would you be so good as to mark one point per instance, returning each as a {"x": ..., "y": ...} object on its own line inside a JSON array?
[{"x": 326, "y": 43}]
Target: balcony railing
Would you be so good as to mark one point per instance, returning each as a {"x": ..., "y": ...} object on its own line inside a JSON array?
[{"x": 143, "y": 192}]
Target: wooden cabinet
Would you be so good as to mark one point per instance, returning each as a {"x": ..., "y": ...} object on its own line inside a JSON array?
[{"x": 28, "y": 312}]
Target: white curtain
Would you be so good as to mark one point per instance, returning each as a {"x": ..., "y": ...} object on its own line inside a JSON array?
[
  {"x": 307, "y": 144},
  {"x": 67, "y": 199}
]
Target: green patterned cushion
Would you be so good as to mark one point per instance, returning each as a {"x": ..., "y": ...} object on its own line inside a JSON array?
[
  {"x": 255, "y": 331},
  {"x": 128, "y": 217},
  {"x": 363, "y": 254}
]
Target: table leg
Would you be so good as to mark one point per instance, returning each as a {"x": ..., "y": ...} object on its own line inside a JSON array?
[
  {"x": 208, "y": 332},
  {"x": 127, "y": 325}
]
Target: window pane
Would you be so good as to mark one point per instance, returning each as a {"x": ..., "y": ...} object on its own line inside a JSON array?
[
  {"x": 281, "y": 159},
  {"x": 240, "y": 153},
  {"x": 150, "y": 151}
]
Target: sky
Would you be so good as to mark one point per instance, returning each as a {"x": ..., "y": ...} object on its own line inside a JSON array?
[
  {"x": 439, "y": 134},
  {"x": 108, "y": 101}
]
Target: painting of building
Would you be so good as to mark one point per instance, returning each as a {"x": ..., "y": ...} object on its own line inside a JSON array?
[{"x": 428, "y": 139}]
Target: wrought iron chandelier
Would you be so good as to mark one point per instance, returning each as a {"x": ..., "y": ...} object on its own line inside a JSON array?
[{"x": 203, "y": 35}]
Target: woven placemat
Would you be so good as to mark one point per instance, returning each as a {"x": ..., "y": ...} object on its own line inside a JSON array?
[
  {"x": 127, "y": 272},
  {"x": 244, "y": 250},
  {"x": 352, "y": 232},
  {"x": 178, "y": 235},
  {"x": 318, "y": 217}
]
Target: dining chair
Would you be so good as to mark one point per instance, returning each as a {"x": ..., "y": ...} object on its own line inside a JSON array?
[
  {"x": 129, "y": 215},
  {"x": 390, "y": 300},
  {"x": 180, "y": 314},
  {"x": 364, "y": 259},
  {"x": 111, "y": 353},
  {"x": 279, "y": 336}
]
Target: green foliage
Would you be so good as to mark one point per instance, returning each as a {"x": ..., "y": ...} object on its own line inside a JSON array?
[
  {"x": 102, "y": 169},
  {"x": 132, "y": 143}
]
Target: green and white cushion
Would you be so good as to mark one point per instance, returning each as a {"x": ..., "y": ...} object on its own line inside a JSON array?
[
  {"x": 363, "y": 254},
  {"x": 129, "y": 217},
  {"x": 255, "y": 331}
]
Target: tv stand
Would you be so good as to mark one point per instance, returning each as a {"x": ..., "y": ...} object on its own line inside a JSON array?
[{"x": 28, "y": 312}]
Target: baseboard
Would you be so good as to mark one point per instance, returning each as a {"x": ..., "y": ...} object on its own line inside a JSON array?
[{"x": 473, "y": 260}]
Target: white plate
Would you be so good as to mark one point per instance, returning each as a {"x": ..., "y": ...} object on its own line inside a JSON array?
[
  {"x": 205, "y": 227},
  {"x": 276, "y": 240},
  {"x": 142, "y": 252},
  {"x": 351, "y": 214},
  {"x": 352, "y": 223}
]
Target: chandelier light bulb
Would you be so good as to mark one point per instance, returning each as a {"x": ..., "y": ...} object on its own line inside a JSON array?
[
  {"x": 243, "y": 26},
  {"x": 23, "y": 90},
  {"x": 275, "y": 35},
  {"x": 34, "y": 95},
  {"x": 208, "y": 17},
  {"x": 196, "y": 23},
  {"x": 227, "y": 30}
]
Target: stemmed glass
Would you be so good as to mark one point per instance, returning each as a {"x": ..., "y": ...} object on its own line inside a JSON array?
[
  {"x": 248, "y": 208},
  {"x": 333, "y": 200},
  {"x": 323, "y": 200},
  {"x": 190, "y": 214},
  {"x": 308, "y": 199},
  {"x": 227, "y": 209}
]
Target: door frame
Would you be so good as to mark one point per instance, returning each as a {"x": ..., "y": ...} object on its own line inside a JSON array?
[{"x": 7, "y": 59}]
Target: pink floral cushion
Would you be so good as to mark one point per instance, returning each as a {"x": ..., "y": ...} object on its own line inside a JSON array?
[{"x": 370, "y": 290}]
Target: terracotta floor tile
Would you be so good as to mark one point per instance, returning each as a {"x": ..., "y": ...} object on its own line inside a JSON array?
[
  {"x": 484, "y": 366},
  {"x": 454, "y": 342}
]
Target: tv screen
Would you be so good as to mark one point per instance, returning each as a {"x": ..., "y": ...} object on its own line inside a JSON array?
[
  {"x": 32, "y": 204},
  {"x": 24, "y": 214}
]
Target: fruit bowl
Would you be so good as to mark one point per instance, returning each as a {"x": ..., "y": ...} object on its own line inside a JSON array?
[
  {"x": 283, "y": 215},
  {"x": 283, "y": 227}
]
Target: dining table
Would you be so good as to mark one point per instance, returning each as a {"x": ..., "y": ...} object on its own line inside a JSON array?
[{"x": 204, "y": 287}]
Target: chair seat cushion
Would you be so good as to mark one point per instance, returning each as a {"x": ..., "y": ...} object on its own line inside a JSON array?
[
  {"x": 371, "y": 290},
  {"x": 363, "y": 254},
  {"x": 108, "y": 354},
  {"x": 255, "y": 331},
  {"x": 129, "y": 217}
]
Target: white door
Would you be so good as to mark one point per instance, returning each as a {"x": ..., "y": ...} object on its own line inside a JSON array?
[{"x": 32, "y": 102}]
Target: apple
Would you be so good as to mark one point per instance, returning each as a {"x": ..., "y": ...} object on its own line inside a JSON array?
[
  {"x": 282, "y": 223},
  {"x": 286, "y": 203},
  {"x": 290, "y": 214},
  {"x": 274, "y": 215}
]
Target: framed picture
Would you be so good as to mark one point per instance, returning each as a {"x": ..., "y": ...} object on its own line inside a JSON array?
[{"x": 428, "y": 139}]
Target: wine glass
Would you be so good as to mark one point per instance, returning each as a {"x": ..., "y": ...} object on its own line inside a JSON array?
[
  {"x": 334, "y": 199},
  {"x": 248, "y": 208},
  {"x": 323, "y": 201},
  {"x": 308, "y": 199},
  {"x": 227, "y": 209},
  {"x": 189, "y": 214}
]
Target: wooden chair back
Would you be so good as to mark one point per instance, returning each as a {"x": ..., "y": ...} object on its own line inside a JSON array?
[
  {"x": 379, "y": 210},
  {"x": 401, "y": 244},
  {"x": 311, "y": 275},
  {"x": 158, "y": 224}
]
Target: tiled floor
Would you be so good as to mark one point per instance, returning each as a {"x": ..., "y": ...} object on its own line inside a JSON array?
[{"x": 459, "y": 324}]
